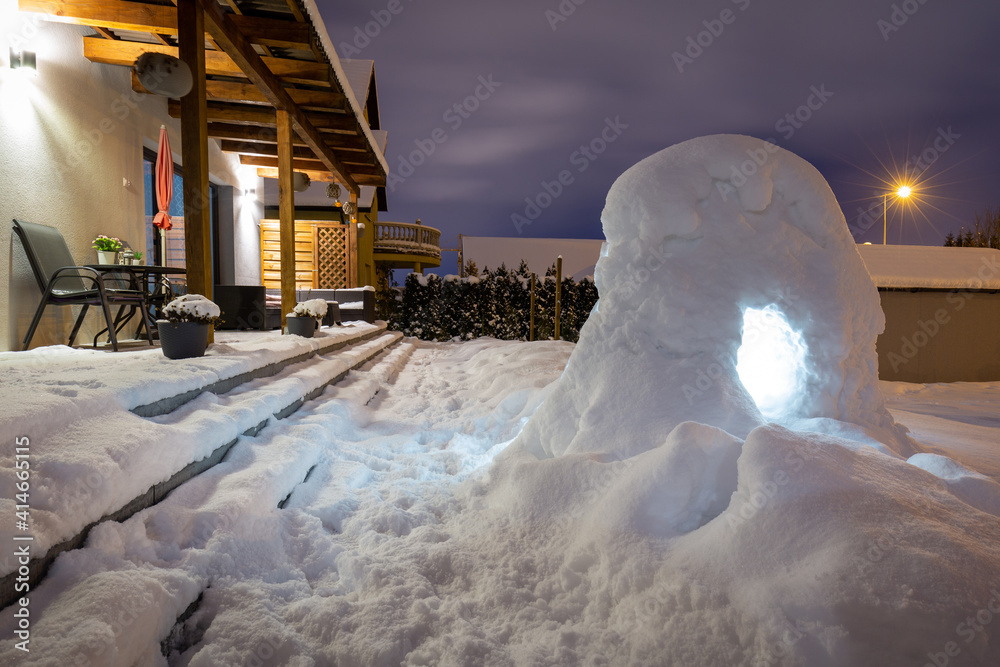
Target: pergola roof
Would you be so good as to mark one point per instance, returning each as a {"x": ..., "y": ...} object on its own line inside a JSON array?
[{"x": 260, "y": 55}]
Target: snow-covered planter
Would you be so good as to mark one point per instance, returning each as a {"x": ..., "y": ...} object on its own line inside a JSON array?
[
  {"x": 184, "y": 332},
  {"x": 305, "y": 318}
]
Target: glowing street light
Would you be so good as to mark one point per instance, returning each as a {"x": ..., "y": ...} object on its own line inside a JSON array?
[{"x": 902, "y": 192}]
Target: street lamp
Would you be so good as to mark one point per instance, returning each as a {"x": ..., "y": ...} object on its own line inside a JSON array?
[{"x": 902, "y": 192}]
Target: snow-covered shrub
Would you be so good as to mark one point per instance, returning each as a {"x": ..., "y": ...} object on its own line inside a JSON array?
[
  {"x": 192, "y": 308},
  {"x": 312, "y": 308}
]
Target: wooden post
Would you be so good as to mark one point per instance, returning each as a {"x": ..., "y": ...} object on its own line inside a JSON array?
[
  {"x": 558, "y": 293},
  {"x": 354, "y": 276},
  {"x": 286, "y": 214},
  {"x": 531, "y": 319},
  {"x": 194, "y": 152}
]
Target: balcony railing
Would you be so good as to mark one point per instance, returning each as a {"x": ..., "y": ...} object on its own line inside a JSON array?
[{"x": 404, "y": 237}]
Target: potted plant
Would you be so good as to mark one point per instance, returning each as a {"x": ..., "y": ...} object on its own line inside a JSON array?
[
  {"x": 107, "y": 248},
  {"x": 305, "y": 317},
  {"x": 137, "y": 257},
  {"x": 184, "y": 332}
]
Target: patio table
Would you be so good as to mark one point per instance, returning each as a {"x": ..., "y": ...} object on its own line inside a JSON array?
[{"x": 152, "y": 281}]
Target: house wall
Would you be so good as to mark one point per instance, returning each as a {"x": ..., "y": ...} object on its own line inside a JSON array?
[
  {"x": 71, "y": 141},
  {"x": 940, "y": 336}
]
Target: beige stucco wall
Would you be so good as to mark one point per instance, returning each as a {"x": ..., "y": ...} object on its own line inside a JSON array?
[
  {"x": 940, "y": 336},
  {"x": 71, "y": 142}
]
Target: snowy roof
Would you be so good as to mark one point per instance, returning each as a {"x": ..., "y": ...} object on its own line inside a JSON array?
[
  {"x": 579, "y": 255},
  {"x": 907, "y": 266},
  {"x": 359, "y": 77}
]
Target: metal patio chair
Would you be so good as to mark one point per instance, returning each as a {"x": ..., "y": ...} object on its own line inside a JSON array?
[{"x": 65, "y": 284}]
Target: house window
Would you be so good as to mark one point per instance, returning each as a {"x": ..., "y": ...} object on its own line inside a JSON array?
[{"x": 175, "y": 251}]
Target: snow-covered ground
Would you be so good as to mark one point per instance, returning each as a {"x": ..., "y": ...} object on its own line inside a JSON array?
[
  {"x": 640, "y": 498},
  {"x": 399, "y": 548}
]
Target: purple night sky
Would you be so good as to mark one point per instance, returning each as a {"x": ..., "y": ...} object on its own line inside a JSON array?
[{"x": 487, "y": 104}]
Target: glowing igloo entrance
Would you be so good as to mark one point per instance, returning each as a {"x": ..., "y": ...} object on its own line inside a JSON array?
[
  {"x": 771, "y": 361},
  {"x": 732, "y": 294}
]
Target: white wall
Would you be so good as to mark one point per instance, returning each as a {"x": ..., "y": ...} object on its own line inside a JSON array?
[{"x": 69, "y": 138}]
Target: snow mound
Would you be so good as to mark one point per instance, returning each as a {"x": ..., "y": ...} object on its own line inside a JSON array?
[{"x": 700, "y": 238}]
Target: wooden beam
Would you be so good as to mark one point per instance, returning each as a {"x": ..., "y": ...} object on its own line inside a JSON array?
[
  {"x": 246, "y": 92},
  {"x": 162, "y": 19},
  {"x": 265, "y": 149},
  {"x": 259, "y": 72},
  {"x": 286, "y": 214},
  {"x": 254, "y": 114},
  {"x": 194, "y": 151},
  {"x": 251, "y": 114},
  {"x": 106, "y": 33},
  {"x": 299, "y": 165},
  {"x": 317, "y": 176},
  {"x": 110, "y": 14},
  {"x": 306, "y": 165},
  {"x": 245, "y": 133},
  {"x": 217, "y": 63},
  {"x": 340, "y": 142}
]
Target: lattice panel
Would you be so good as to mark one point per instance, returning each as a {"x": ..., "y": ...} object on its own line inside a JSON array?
[{"x": 331, "y": 256}]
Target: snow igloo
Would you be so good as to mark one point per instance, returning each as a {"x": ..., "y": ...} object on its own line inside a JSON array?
[{"x": 731, "y": 295}]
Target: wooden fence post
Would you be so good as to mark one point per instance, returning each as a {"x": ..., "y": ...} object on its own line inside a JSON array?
[
  {"x": 558, "y": 293},
  {"x": 531, "y": 323}
]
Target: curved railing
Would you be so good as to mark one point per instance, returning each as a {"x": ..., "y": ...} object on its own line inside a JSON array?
[{"x": 405, "y": 237}]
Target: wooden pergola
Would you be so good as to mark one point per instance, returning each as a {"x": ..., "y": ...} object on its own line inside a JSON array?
[{"x": 264, "y": 85}]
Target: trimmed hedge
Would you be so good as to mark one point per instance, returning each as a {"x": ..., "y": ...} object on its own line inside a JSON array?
[{"x": 496, "y": 304}]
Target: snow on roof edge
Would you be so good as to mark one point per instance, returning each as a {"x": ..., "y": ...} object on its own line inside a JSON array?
[
  {"x": 932, "y": 267},
  {"x": 338, "y": 71}
]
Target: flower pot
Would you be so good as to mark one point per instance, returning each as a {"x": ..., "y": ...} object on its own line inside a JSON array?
[
  {"x": 182, "y": 340},
  {"x": 106, "y": 257},
  {"x": 301, "y": 326}
]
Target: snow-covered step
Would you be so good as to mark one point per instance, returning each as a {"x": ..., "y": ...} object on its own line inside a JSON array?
[
  {"x": 82, "y": 480},
  {"x": 323, "y": 346}
]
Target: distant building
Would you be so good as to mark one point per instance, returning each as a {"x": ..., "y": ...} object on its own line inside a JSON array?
[{"x": 942, "y": 312}]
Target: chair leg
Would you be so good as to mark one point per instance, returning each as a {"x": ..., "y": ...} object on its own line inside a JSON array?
[
  {"x": 145, "y": 323},
  {"x": 34, "y": 324},
  {"x": 120, "y": 321},
  {"x": 111, "y": 327},
  {"x": 79, "y": 322}
]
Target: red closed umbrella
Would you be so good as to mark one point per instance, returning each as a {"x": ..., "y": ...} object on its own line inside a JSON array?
[{"x": 164, "y": 189}]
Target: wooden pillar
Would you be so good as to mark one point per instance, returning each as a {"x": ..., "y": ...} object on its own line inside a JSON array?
[
  {"x": 286, "y": 214},
  {"x": 194, "y": 151},
  {"x": 558, "y": 293},
  {"x": 355, "y": 270},
  {"x": 531, "y": 320}
]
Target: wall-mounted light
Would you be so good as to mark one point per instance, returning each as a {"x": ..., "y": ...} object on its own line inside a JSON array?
[
  {"x": 250, "y": 194},
  {"x": 23, "y": 60}
]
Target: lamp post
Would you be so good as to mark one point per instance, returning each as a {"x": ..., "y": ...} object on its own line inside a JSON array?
[{"x": 902, "y": 192}]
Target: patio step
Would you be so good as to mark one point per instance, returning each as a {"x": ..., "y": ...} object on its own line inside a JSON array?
[
  {"x": 354, "y": 352},
  {"x": 171, "y": 403}
]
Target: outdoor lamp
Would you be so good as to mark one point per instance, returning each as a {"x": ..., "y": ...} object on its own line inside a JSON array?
[
  {"x": 23, "y": 60},
  {"x": 902, "y": 192}
]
